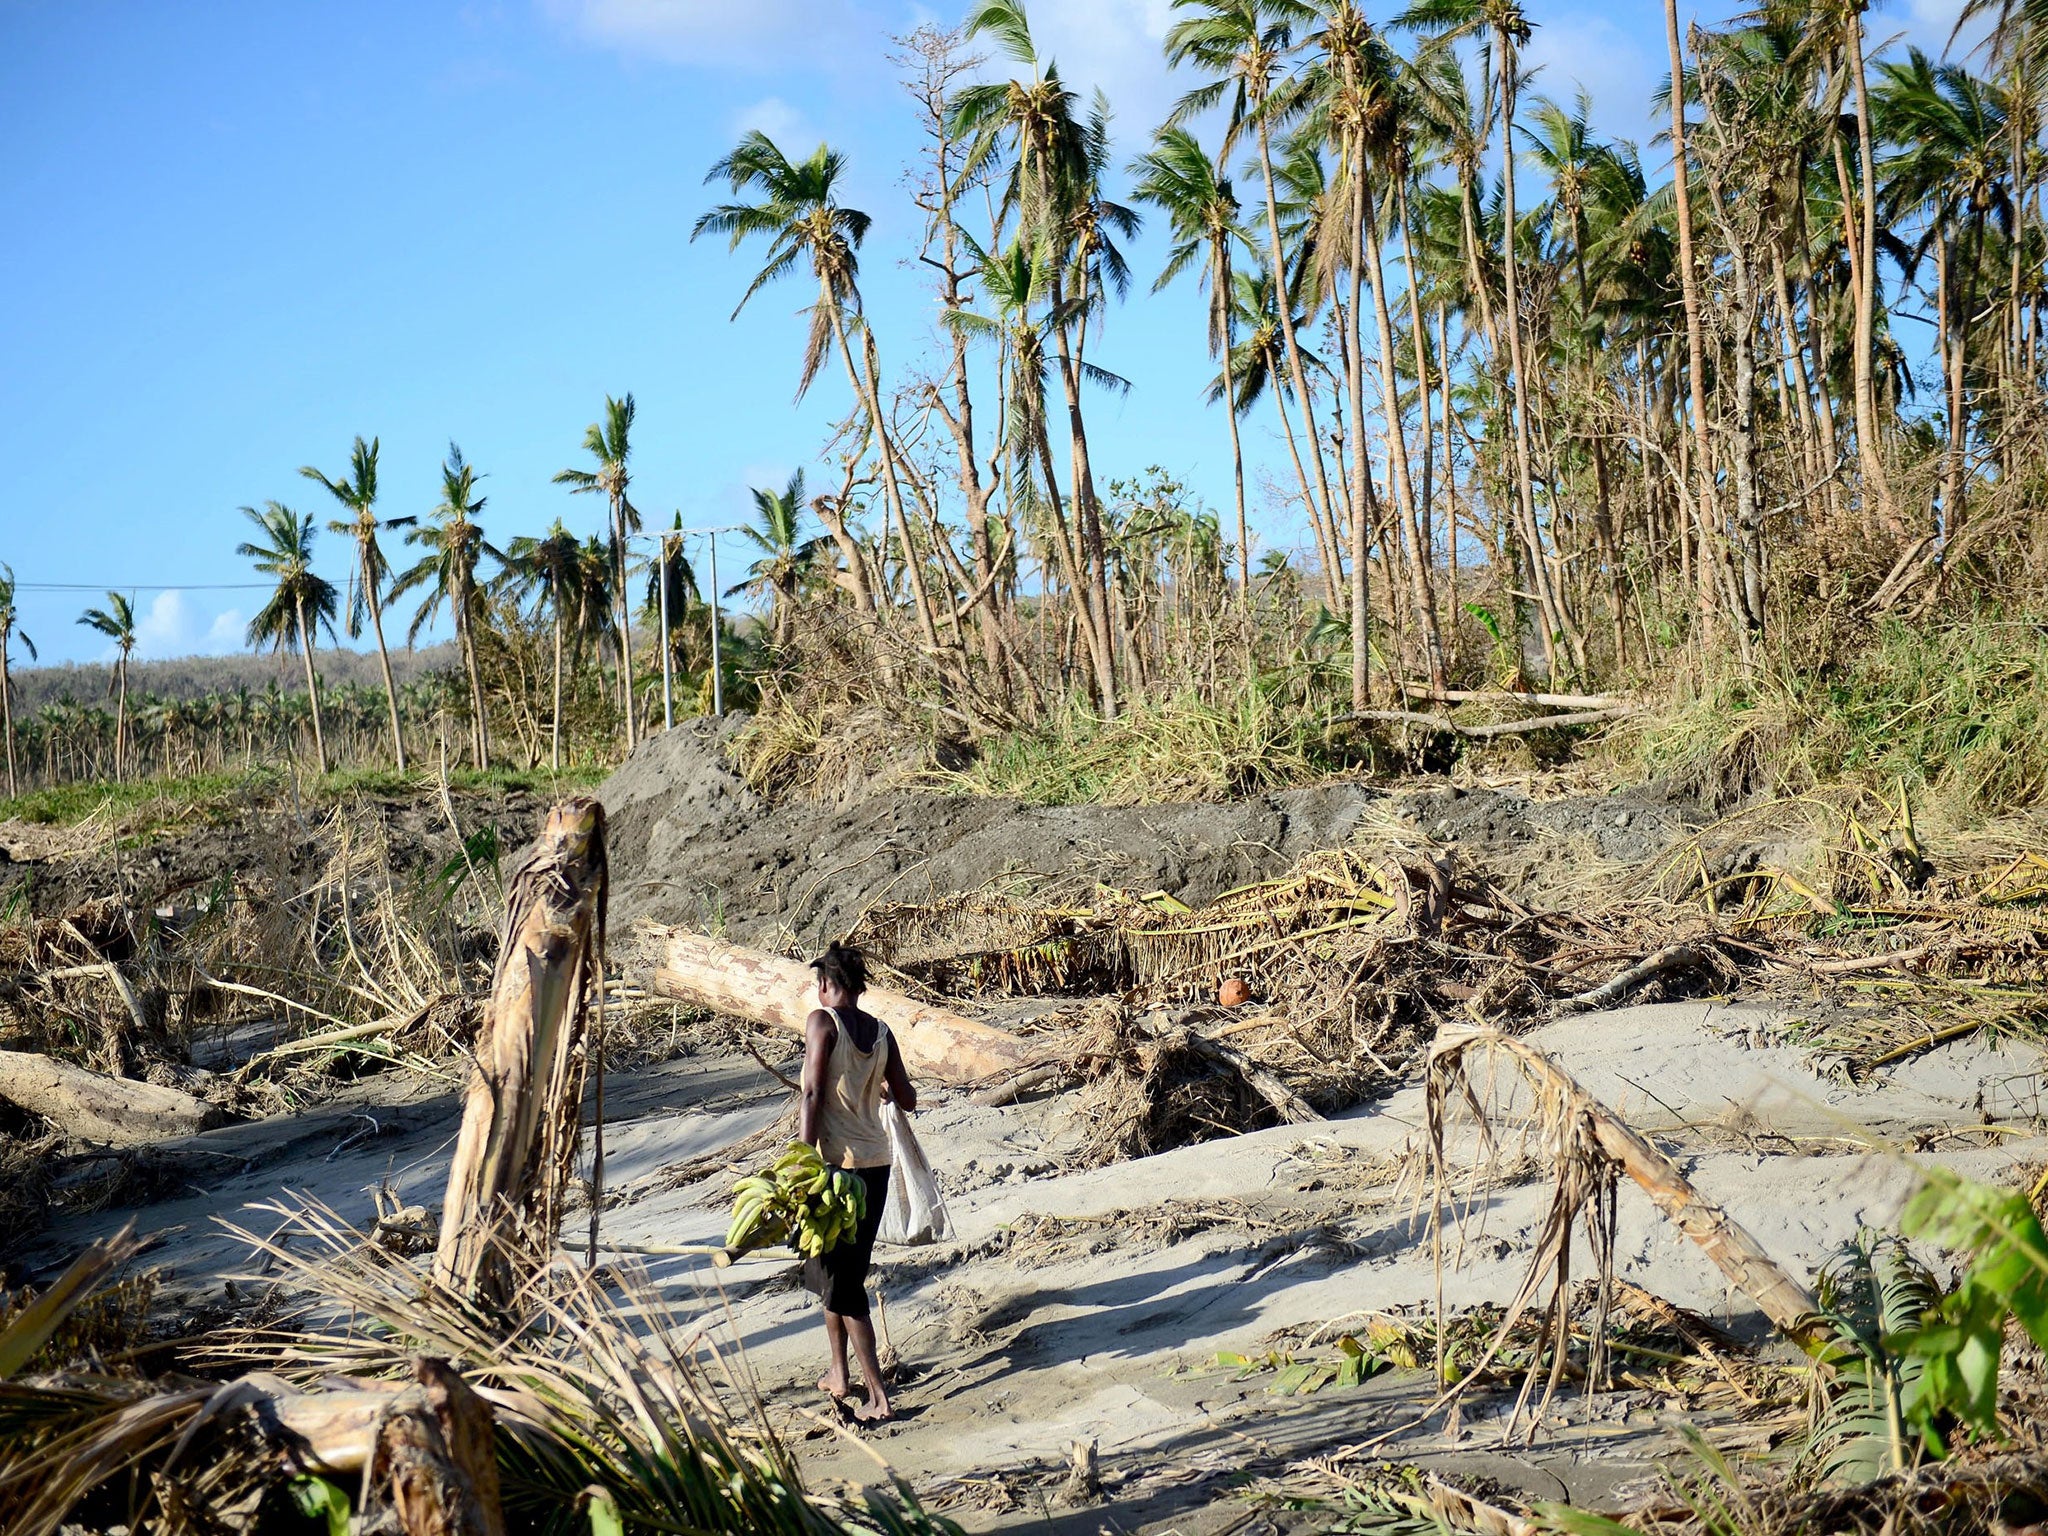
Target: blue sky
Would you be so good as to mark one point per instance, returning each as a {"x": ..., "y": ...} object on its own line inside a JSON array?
[{"x": 240, "y": 234}]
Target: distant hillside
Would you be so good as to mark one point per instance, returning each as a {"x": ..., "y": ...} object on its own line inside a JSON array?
[{"x": 187, "y": 677}]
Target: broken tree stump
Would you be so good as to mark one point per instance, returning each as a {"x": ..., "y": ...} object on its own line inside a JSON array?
[
  {"x": 522, "y": 1112},
  {"x": 751, "y": 984},
  {"x": 434, "y": 1468},
  {"x": 91, "y": 1106}
]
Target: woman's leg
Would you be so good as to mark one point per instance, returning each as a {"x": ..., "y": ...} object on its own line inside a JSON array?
[
  {"x": 835, "y": 1382},
  {"x": 862, "y": 1332}
]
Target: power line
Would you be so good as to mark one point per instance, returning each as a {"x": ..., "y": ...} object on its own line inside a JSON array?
[{"x": 141, "y": 586}]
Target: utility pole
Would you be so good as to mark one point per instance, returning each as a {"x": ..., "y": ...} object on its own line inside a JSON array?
[
  {"x": 717, "y": 675},
  {"x": 668, "y": 700},
  {"x": 717, "y": 671}
]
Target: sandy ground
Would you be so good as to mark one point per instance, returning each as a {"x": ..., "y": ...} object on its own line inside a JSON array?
[{"x": 1091, "y": 1304}]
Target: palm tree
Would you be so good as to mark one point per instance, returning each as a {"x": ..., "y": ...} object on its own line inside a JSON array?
[
  {"x": 671, "y": 596},
  {"x": 1259, "y": 363},
  {"x": 9, "y": 617},
  {"x": 299, "y": 604},
  {"x": 1177, "y": 176},
  {"x": 357, "y": 491},
  {"x": 1950, "y": 166},
  {"x": 453, "y": 543},
  {"x": 117, "y": 622},
  {"x": 1055, "y": 187},
  {"x": 553, "y": 566},
  {"x": 1579, "y": 168},
  {"x": 609, "y": 442},
  {"x": 1243, "y": 45},
  {"x": 1016, "y": 282},
  {"x": 786, "y": 556},
  {"x": 1504, "y": 30},
  {"x": 802, "y": 219}
]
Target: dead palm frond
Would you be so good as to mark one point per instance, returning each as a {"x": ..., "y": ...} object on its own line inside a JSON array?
[{"x": 595, "y": 1381}]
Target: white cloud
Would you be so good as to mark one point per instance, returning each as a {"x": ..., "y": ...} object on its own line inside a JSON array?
[
  {"x": 785, "y": 124},
  {"x": 173, "y": 625},
  {"x": 1927, "y": 24},
  {"x": 1585, "y": 50},
  {"x": 760, "y": 35},
  {"x": 1114, "y": 45},
  {"x": 228, "y": 632}
]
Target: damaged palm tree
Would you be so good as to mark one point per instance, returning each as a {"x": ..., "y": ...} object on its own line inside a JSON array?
[
  {"x": 1591, "y": 1148},
  {"x": 523, "y": 1113}
]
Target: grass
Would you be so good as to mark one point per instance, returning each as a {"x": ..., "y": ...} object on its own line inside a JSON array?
[
  {"x": 1179, "y": 748},
  {"x": 161, "y": 801},
  {"x": 1958, "y": 714}
]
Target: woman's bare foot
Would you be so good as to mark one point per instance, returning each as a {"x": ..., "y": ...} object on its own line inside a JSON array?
[
  {"x": 875, "y": 1410},
  {"x": 835, "y": 1386}
]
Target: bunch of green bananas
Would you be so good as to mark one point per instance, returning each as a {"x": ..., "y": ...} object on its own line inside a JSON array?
[
  {"x": 759, "y": 1217},
  {"x": 796, "y": 1200}
]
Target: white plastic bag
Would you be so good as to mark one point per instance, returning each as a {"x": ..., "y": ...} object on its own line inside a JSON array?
[{"x": 915, "y": 1211}]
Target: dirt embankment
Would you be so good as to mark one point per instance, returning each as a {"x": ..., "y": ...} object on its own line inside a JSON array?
[
  {"x": 276, "y": 843},
  {"x": 693, "y": 845}
]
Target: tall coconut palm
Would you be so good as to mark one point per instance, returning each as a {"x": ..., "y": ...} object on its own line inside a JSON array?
[
  {"x": 357, "y": 491},
  {"x": 1503, "y": 30},
  {"x": 1177, "y": 176},
  {"x": 1950, "y": 167},
  {"x": 610, "y": 443},
  {"x": 1259, "y": 364},
  {"x": 801, "y": 217},
  {"x": 9, "y": 619},
  {"x": 671, "y": 595},
  {"x": 786, "y": 555},
  {"x": 117, "y": 622},
  {"x": 1056, "y": 154},
  {"x": 299, "y": 604},
  {"x": 1242, "y": 45},
  {"x": 454, "y": 544},
  {"x": 551, "y": 566},
  {"x": 1016, "y": 282}
]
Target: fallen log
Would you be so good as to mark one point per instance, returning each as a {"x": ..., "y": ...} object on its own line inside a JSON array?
[
  {"x": 91, "y": 1106},
  {"x": 750, "y": 984},
  {"x": 1505, "y": 696},
  {"x": 1438, "y": 722}
]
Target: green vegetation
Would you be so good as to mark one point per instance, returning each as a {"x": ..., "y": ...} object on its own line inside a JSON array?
[
  {"x": 138, "y": 806},
  {"x": 1179, "y": 748},
  {"x": 1957, "y": 712}
]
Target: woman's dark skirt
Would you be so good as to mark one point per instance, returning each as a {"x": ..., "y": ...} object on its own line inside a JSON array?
[{"x": 839, "y": 1276}]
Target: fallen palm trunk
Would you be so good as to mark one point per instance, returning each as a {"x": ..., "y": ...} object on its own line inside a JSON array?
[
  {"x": 1503, "y": 696},
  {"x": 750, "y": 984},
  {"x": 1438, "y": 722},
  {"x": 91, "y": 1106},
  {"x": 424, "y": 1454},
  {"x": 1787, "y": 1303},
  {"x": 523, "y": 1112}
]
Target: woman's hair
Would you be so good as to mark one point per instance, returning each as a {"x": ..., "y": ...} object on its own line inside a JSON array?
[{"x": 844, "y": 964}]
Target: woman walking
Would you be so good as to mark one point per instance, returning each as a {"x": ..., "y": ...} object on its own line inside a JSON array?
[{"x": 850, "y": 1064}]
